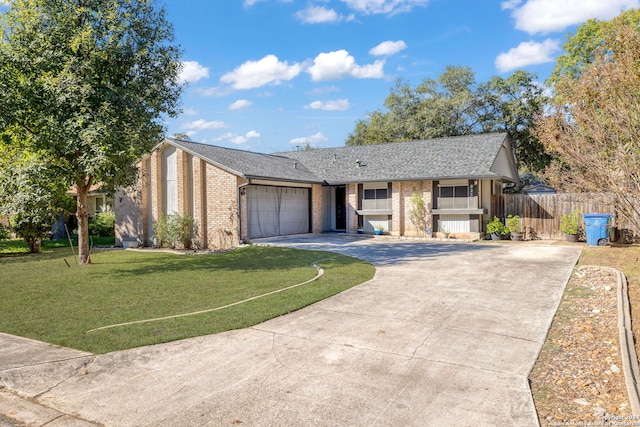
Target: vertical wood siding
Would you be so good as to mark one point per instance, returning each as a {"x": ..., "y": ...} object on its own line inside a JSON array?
[{"x": 541, "y": 214}]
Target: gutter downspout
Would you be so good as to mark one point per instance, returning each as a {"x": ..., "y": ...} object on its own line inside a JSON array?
[{"x": 240, "y": 187}]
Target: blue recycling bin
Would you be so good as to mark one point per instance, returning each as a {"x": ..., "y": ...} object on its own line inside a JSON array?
[{"x": 597, "y": 228}]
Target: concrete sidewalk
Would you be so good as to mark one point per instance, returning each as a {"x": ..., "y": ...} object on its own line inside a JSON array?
[{"x": 445, "y": 334}]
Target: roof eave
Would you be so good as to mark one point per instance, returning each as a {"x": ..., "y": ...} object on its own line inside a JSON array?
[
  {"x": 270, "y": 178},
  {"x": 425, "y": 178}
]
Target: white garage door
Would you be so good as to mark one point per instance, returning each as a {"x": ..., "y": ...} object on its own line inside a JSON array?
[{"x": 277, "y": 211}]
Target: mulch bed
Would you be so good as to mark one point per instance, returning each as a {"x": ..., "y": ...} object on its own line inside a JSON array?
[{"x": 578, "y": 376}]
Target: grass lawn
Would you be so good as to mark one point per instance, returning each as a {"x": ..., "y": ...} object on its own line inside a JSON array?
[
  {"x": 44, "y": 299},
  {"x": 13, "y": 247}
]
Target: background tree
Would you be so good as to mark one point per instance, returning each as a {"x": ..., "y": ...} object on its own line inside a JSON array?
[
  {"x": 183, "y": 136},
  {"x": 582, "y": 48},
  {"x": 87, "y": 83},
  {"x": 30, "y": 194},
  {"x": 594, "y": 129},
  {"x": 455, "y": 104}
]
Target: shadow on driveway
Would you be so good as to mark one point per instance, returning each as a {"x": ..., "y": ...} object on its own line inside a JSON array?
[{"x": 378, "y": 251}]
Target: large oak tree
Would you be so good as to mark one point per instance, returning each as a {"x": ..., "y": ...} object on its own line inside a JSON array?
[{"x": 87, "y": 83}]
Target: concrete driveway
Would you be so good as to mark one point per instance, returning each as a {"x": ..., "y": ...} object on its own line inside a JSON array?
[{"x": 444, "y": 335}]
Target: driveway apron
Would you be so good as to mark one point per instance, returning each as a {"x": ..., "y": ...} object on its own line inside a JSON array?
[{"x": 444, "y": 335}]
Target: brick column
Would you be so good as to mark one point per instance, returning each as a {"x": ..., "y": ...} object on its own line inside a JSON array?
[
  {"x": 182, "y": 175},
  {"x": 352, "y": 206},
  {"x": 316, "y": 209},
  {"x": 397, "y": 209},
  {"x": 199, "y": 200},
  {"x": 156, "y": 186}
]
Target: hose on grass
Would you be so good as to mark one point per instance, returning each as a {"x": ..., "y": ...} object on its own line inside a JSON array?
[{"x": 319, "y": 273}]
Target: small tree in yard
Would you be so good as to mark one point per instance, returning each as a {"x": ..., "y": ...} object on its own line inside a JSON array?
[
  {"x": 87, "y": 85},
  {"x": 419, "y": 213},
  {"x": 595, "y": 129},
  {"x": 30, "y": 196}
]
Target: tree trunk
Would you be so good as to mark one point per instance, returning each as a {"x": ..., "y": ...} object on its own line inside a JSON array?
[{"x": 82, "y": 215}]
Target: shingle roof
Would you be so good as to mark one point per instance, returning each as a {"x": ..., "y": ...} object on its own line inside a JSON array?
[
  {"x": 470, "y": 156},
  {"x": 249, "y": 164}
]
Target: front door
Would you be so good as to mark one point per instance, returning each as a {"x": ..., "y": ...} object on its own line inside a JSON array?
[{"x": 341, "y": 215}]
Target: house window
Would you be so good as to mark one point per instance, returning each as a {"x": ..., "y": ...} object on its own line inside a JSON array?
[
  {"x": 375, "y": 196},
  {"x": 376, "y": 193},
  {"x": 170, "y": 171},
  {"x": 100, "y": 205},
  {"x": 457, "y": 194}
]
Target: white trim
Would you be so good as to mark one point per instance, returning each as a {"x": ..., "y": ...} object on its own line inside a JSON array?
[{"x": 281, "y": 183}]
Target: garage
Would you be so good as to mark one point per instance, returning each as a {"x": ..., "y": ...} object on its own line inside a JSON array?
[{"x": 277, "y": 211}]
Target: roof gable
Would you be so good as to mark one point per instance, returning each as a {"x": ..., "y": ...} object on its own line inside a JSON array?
[{"x": 248, "y": 164}]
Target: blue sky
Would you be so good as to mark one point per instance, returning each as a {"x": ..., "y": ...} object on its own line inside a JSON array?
[{"x": 268, "y": 75}]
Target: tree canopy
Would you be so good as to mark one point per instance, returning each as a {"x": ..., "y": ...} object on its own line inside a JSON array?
[
  {"x": 87, "y": 83},
  {"x": 455, "y": 104},
  {"x": 594, "y": 128},
  {"x": 590, "y": 39}
]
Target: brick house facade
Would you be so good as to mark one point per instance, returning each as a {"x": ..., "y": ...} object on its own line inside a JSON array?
[{"x": 237, "y": 195}]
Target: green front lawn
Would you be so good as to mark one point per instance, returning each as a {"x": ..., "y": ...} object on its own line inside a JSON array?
[
  {"x": 44, "y": 299},
  {"x": 13, "y": 247}
]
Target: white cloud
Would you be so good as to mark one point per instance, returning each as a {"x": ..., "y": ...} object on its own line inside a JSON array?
[
  {"x": 190, "y": 112},
  {"x": 335, "y": 105},
  {"x": 202, "y": 124},
  {"x": 239, "y": 139},
  {"x": 254, "y": 74},
  {"x": 388, "y": 7},
  {"x": 527, "y": 53},
  {"x": 339, "y": 64},
  {"x": 547, "y": 16},
  {"x": 317, "y": 15},
  {"x": 388, "y": 48},
  {"x": 239, "y": 104},
  {"x": 313, "y": 139},
  {"x": 192, "y": 71}
]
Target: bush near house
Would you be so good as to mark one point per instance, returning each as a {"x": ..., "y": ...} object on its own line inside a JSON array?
[
  {"x": 175, "y": 231},
  {"x": 103, "y": 224}
]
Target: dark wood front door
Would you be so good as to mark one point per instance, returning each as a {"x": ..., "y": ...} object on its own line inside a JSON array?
[{"x": 341, "y": 215}]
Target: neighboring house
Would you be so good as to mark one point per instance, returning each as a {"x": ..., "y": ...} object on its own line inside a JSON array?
[
  {"x": 539, "y": 189},
  {"x": 238, "y": 195},
  {"x": 97, "y": 201}
]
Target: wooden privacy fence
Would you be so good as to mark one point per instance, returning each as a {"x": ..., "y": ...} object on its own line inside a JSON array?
[{"x": 540, "y": 214}]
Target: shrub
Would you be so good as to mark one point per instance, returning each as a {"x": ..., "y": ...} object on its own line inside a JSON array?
[
  {"x": 570, "y": 223},
  {"x": 103, "y": 224},
  {"x": 513, "y": 224},
  {"x": 4, "y": 232},
  {"x": 495, "y": 226},
  {"x": 174, "y": 230}
]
